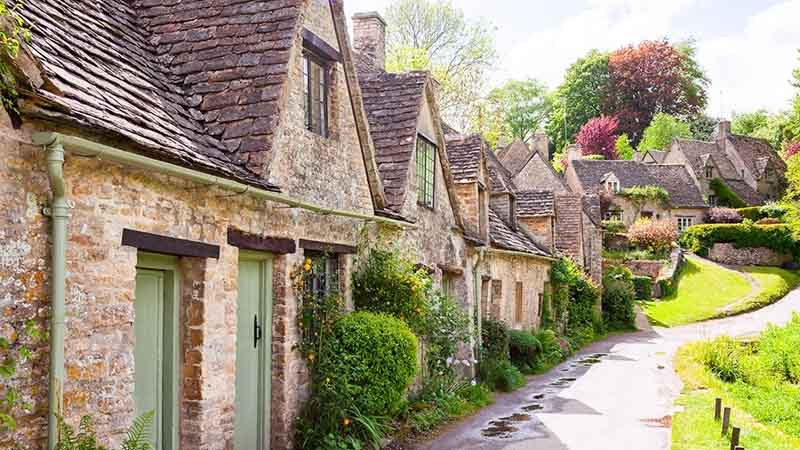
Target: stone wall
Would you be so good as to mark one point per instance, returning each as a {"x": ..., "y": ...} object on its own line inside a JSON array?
[
  {"x": 749, "y": 256},
  {"x": 645, "y": 268},
  {"x": 505, "y": 271},
  {"x": 569, "y": 226}
]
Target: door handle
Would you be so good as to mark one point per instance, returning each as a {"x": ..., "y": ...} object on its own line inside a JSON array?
[{"x": 256, "y": 331}]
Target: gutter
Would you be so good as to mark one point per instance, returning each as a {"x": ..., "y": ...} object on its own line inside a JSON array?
[
  {"x": 59, "y": 213},
  {"x": 85, "y": 147},
  {"x": 497, "y": 251}
]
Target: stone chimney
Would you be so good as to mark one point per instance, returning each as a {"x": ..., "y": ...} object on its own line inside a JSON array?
[
  {"x": 723, "y": 130},
  {"x": 369, "y": 38},
  {"x": 541, "y": 145},
  {"x": 574, "y": 152}
]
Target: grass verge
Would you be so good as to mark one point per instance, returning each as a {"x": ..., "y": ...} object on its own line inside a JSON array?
[
  {"x": 774, "y": 284},
  {"x": 695, "y": 428}
]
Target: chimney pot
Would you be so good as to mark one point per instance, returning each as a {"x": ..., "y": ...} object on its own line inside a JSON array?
[{"x": 369, "y": 38}]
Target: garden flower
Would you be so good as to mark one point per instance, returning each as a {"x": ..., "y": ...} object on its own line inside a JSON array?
[
  {"x": 346, "y": 421},
  {"x": 307, "y": 265}
]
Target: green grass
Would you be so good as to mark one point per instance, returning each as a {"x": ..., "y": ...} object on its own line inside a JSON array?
[
  {"x": 767, "y": 416},
  {"x": 703, "y": 289},
  {"x": 774, "y": 284}
]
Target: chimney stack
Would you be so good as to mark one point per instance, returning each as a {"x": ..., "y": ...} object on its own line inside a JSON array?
[
  {"x": 723, "y": 130},
  {"x": 541, "y": 145},
  {"x": 369, "y": 38}
]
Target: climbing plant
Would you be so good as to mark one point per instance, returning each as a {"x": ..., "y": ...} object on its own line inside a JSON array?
[
  {"x": 725, "y": 196},
  {"x": 15, "y": 350},
  {"x": 11, "y": 37}
]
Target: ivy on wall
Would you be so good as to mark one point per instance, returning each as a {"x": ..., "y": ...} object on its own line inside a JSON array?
[
  {"x": 725, "y": 196},
  {"x": 13, "y": 32}
]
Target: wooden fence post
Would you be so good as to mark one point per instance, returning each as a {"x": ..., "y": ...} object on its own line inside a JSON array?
[
  {"x": 735, "y": 438},
  {"x": 726, "y": 420},
  {"x": 717, "y": 409}
]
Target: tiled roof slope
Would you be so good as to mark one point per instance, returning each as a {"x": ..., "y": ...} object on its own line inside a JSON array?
[
  {"x": 503, "y": 237},
  {"x": 756, "y": 154},
  {"x": 464, "y": 155},
  {"x": 674, "y": 178},
  {"x": 126, "y": 68},
  {"x": 592, "y": 208},
  {"x": 535, "y": 203},
  {"x": 699, "y": 152},
  {"x": 502, "y": 180},
  {"x": 515, "y": 156},
  {"x": 393, "y": 103}
]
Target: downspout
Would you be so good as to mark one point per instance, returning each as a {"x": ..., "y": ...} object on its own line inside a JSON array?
[
  {"x": 476, "y": 281},
  {"x": 59, "y": 213}
]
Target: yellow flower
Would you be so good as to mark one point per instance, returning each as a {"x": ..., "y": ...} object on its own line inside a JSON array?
[
  {"x": 346, "y": 421},
  {"x": 307, "y": 265},
  {"x": 311, "y": 357}
]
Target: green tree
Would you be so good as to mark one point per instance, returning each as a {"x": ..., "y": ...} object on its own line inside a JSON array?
[
  {"x": 774, "y": 128},
  {"x": 662, "y": 130},
  {"x": 702, "y": 126},
  {"x": 515, "y": 110},
  {"x": 579, "y": 98},
  {"x": 624, "y": 148},
  {"x": 434, "y": 35}
]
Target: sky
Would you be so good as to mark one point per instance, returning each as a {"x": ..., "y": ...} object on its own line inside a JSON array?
[{"x": 748, "y": 48}]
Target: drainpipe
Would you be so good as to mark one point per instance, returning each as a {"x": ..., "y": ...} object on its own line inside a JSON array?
[
  {"x": 58, "y": 212},
  {"x": 476, "y": 278}
]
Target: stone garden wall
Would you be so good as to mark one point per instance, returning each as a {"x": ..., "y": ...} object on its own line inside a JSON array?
[{"x": 750, "y": 256}]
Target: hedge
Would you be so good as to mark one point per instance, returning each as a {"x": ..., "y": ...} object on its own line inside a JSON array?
[
  {"x": 752, "y": 212},
  {"x": 643, "y": 287},
  {"x": 700, "y": 238}
]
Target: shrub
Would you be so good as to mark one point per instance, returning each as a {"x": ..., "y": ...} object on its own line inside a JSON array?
[
  {"x": 723, "y": 357},
  {"x": 752, "y": 213},
  {"x": 772, "y": 210},
  {"x": 447, "y": 324},
  {"x": 137, "y": 438},
  {"x": 599, "y": 137},
  {"x": 576, "y": 294},
  {"x": 723, "y": 215},
  {"x": 643, "y": 287},
  {"x": 700, "y": 238},
  {"x": 551, "y": 352},
  {"x": 619, "y": 296},
  {"x": 725, "y": 196},
  {"x": 366, "y": 366},
  {"x": 495, "y": 339},
  {"x": 501, "y": 375},
  {"x": 779, "y": 351},
  {"x": 656, "y": 236},
  {"x": 768, "y": 221},
  {"x": 524, "y": 348},
  {"x": 614, "y": 226}
]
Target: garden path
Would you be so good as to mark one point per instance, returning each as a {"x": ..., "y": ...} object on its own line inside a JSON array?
[{"x": 615, "y": 394}]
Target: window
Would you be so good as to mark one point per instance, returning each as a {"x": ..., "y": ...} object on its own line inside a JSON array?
[
  {"x": 646, "y": 215},
  {"x": 612, "y": 186},
  {"x": 614, "y": 214},
  {"x": 426, "y": 165},
  {"x": 541, "y": 305},
  {"x": 685, "y": 222},
  {"x": 712, "y": 201},
  {"x": 315, "y": 103},
  {"x": 709, "y": 172},
  {"x": 518, "y": 304},
  {"x": 324, "y": 277}
]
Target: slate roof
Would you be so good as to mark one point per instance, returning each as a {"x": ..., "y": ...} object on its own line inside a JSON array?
[
  {"x": 504, "y": 237},
  {"x": 757, "y": 154},
  {"x": 535, "y": 204},
  {"x": 700, "y": 152},
  {"x": 464, "y": 155},
  {"x": 501, "y": 178},
  {"x": 393, "y": 102},
  {"x": 674, "y": 178},
  {"x": 515, "y": 156},
  {"x": 191, "y": 84},
  {"x": 592, "y": 208}
]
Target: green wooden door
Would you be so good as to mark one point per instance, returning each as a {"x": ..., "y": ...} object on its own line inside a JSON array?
[
  {"x": 253, "y": 353},
  {"x": 156, "y": 348}
]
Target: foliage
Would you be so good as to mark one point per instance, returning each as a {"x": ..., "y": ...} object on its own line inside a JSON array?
[
  {"x": 643, "y": 286},
  {"x": 619, "y": 295},
  {"x": 444, "y": 399},
  {"x": 700, "y": 238},
  {"x": 624, "y": 148},
  {"x": 773, "y": 128},
  {"x": 639, "y": 195},
  {"x": 594, "y": 158},
  {"x": 579, "y": 98},
  {"x": 515, "y": 110},
  {"x": 495, "y": 339},
  {"x": 364, "y": 369},
  {"x": 385, "y": 281},
  {"x": 702, "y": 126},
  {"x": 551, "y": 352},
  {"x": 655, "y": 236},
  {"x": 723, "y": 215},
  {"x": 725, "y": 196},
  {"x": 751, "y": 213},
  {"x": 614, "y": 226},
  {"x": 14, "y": 352},
  {"x": 662, "y": 131},
  {"x": 599, "y": 137},
  {"x": 653, "y": 77},
  {"x": 458, "y": 52},
  {"x": 578, "y": 295},
  {"x": 315, "y": 316},
  {"x": 524, "y": 350},
  {"x": 137, "y": 438},
  {"x": 791, "y": 150},
  {"x": 501, "y": 375},
  {"x": 772, "y": 210},
  {"x": 447, "y": 325},
  {"x": 10, "y": 42}
]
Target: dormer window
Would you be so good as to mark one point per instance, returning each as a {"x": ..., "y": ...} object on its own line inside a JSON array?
[
  {"x": 315, "y": 94},
  {"x": 426, "y": 171},
  {"x": 709, "y": 172},
  {"x": 612, "y": 186}
]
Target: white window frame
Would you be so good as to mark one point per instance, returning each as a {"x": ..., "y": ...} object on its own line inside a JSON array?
[
  {"x": 612, "y": 186},
  {"x": 685, "y": 222}
]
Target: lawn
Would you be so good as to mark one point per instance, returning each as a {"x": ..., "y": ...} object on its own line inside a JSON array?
[
  {"x": 707, "y": 291},
  {"x": 695, "y": 428},
  {"x": 703, "y": 289}
]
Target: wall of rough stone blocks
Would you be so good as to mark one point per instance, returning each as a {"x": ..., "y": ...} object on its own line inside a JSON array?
[
  {"x": 748, "y": 256},
  {"x": 541, "y": 228},
  {"x": 505, "y": 271}
]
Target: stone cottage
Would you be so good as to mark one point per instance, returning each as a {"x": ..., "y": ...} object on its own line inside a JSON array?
[
  {"x": 748, "y": 166},
  {"x": 512, "y": 265},
  {"x": 610, "y": 180},
  {"x": 170, "y": 164}
]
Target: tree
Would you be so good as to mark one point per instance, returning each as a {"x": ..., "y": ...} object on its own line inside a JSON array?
[
  {"x": 579, "y": 98},
  {"x": 599, "y": 137},
  {"x": 515, "y": 110},
  {"x": 773, "y": 128},
  {"x": 652, "y": 78},
  {"x": 702, "y": 126},
  {"x": 434, "y": 35},
  {"x": 624, "y": 148},
  {"x": 662, "y": 130}
]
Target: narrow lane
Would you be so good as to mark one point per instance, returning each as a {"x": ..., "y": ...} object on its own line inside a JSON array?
[{"x": 615, "y": 394}]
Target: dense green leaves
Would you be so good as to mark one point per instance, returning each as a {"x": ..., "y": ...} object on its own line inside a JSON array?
[
  {"x": 700, "y": 238},
  {"x": 725, "y": 196},
  {"x": 515, "y": 110},
  {"x": 662, "y": 131},
  {"x": 624, "y": 148}
]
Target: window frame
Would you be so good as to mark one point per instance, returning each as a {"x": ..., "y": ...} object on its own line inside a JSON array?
[
  {"x": 426, "y": 188},
  {"x": 682, "y": 222},
  {"x": 709, "y": 172},
  {"x": 613, "y": 186},
  {"x": 614, "y": 215},
  {"x": 332, "y": 281},
  {"x": 310, "y": 58}
]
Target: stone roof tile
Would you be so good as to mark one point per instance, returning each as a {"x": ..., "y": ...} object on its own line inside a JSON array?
[
  {"x": 535, "y": 203},
  {"x": 464, "y": 155},
  {"x": 504, "y": 237}
]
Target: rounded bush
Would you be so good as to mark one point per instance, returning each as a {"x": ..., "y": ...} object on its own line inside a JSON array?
[
  {"x": 619, "y": 296},
  {"x": 501, "y": 375},
  {"x": 495, "y": 338},
  {"x": 643, "y": 286},
  {"x": 523, "y": 348},
  {"x": 367, "y": 365},
  {"x": 655, "y": 236}
]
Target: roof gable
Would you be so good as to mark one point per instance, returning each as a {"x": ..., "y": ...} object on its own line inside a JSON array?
[
  {"x": 502, "y": 236},
  {"x": 515, "y": 156}
]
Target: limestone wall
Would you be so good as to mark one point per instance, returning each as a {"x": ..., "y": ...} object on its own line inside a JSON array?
[
  {"x": 748, "y": 256},
  {"x": 502, "y": 273}
]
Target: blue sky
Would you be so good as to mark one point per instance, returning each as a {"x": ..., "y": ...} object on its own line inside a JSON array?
[{"x": 747, "y": 47}]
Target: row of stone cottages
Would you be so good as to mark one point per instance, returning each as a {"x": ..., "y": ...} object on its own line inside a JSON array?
[{"x": 169, "y": 164}]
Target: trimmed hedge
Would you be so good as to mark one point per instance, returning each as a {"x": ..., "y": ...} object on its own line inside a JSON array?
[
  {"x": 619, "y": 295},
  {"x": 700, "y": 238},
  {"x": 643, "y": 287},
  {"x": 752, "y": 213}
]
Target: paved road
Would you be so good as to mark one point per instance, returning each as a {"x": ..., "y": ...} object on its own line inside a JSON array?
[{"x": 616, "y": 394}]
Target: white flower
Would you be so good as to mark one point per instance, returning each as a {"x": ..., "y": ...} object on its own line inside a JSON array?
[
  {"x": 473, "y": 382},
  {"x": 450, "y": 361}
]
